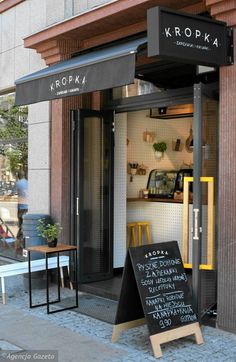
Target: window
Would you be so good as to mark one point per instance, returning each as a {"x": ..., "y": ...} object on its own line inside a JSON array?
[
  {"x": 139, "y": 87},
  {"x": 13, "y": 175}
]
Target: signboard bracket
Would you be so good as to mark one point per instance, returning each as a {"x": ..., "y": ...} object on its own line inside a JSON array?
[
  {"x": 160, "y": 338},
  {"x": 230, "y": 45},
  {"x": 119, "y": 328}
]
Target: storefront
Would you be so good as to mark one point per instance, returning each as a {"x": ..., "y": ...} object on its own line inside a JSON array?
[{"x": 95, "y": 151}]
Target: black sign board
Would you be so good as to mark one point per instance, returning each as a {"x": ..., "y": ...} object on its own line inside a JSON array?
[
  {"x": 155, "y": 285},
  {"x": 189, "y": 38}
]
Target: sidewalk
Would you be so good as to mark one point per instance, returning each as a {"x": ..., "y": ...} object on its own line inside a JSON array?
[{"x": 80, "y": 338}]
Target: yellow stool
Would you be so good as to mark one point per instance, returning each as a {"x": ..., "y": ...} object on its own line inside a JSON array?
[
  {"x": 146, "y": 225},
  {"x": 131, "y": 238}
]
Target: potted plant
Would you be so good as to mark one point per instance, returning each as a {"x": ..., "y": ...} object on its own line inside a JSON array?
[
  {"x": 159, "y": 149},
  {"x": 49, "y": 231}
]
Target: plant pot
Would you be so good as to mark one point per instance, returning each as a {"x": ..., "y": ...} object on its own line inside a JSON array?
[
  {"x": 158, "y": 155},
  {"x": 52, "y": 243}
]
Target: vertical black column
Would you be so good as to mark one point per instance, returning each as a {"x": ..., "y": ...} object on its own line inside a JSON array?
[{"x": 197, "y": 198}]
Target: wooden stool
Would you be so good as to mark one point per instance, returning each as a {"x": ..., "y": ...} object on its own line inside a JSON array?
[
  {"x": 131, "y": 238},
  {"x": 146, "y": 225}
]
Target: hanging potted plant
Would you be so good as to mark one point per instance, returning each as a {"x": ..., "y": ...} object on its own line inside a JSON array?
[
  {"x": 159, "y": 149},
  {"x": 49, "y": 231}
]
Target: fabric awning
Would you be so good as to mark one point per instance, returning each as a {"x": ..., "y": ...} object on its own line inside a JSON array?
[{"x": 97, "y": 70}]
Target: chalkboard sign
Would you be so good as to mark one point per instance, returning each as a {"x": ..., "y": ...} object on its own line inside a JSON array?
[{"x": 155, "y": 286}]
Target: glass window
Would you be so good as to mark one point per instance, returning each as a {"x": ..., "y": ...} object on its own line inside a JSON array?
[
  {"x": 13, "y": 175},
  {"x": 139, "y": 87}
]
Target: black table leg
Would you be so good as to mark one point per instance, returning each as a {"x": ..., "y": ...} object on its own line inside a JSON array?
[
  {"x": 47, "y": 283},
  {"x": 58, "y": 278},
  {"x": 76, "y": 279},
  {"x": 29, "y": 276}
]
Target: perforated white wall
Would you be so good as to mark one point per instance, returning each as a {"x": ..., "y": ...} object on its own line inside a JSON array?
[
  {"x": 142, "y": 152},
  {"x": 165, "y": 218},
  {"x": 120, "y": 191}
]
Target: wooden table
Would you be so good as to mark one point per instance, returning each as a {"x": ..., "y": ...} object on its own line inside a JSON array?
[{"x": 44, "y": 249}]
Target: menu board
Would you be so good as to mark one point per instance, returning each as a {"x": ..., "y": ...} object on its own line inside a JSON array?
[{"x": 155, "y": 285}]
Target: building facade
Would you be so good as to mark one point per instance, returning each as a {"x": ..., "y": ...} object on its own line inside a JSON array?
[{"x": 48, "y": 32}]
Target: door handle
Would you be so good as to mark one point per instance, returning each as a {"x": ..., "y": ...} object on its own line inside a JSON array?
[
  {"x": 77, "y": 206},
  {"x": 195, "y": 229}
]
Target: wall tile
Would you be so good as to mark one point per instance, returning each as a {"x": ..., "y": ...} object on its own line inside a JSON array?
[
  {"x": 39, "y": 158},
  {"x": 69, "y": 8},
  {"x": 7, "y": 69},
  {"x": 54, "y": 13},
  {"x": 94, "y": 3},
  {"x": 39, "y": 112},
  {"x": 8, "y": 30},
  {"x": 37, "y": 15},
  {"x": 22, "y": 22},
  {"x": 0, "y": 33},
  {"x": 35, "y": 61},
  {"x": 39, "y": 147},
  {"x": 39, "y": 191},
  {"x": 21, "y": 61},
  {"x": 80, "y": 6}
]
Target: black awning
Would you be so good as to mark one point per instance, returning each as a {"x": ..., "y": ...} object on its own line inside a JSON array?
[{"x": 97, "y": 70}]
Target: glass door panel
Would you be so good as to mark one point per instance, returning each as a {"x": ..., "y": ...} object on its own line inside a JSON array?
[
  {"x": 93, "y": 197},
  {"x": 204, "y": 198}
]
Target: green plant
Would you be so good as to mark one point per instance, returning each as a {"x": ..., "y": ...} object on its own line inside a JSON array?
[
  {"x": 160, "y": 147},
  {"x": 49, "y": 231}
]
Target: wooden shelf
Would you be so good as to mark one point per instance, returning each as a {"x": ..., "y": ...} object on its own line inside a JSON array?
[{"x": 169, "y": 201}]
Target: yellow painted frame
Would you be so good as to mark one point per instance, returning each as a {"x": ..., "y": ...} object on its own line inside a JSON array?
[{"x": 210, "y": 224}]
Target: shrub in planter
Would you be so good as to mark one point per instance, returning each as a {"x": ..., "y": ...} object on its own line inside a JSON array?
[{"x": 49, "y": 231}]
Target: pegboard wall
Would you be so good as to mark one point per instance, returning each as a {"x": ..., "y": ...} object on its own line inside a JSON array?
[
  {"x": 142, "y": 152},
  {"x": 166, "y": 222}
]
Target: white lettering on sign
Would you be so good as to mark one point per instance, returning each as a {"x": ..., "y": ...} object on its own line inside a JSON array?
[
  {"x": 177, "y": 31},
  {"x": 64, "y": 81},
  {"x": 167, "y": 32},
  {"x": 163, "y": 282},
  {"x": 68, "y": 81},
  {"x": 156, "y": 253},
  {"x": 188, "y": 32},
  {"x": 197, "y": 33},
  {"x": 207, "y": 37},
  {"x": 216, "y": 42}
]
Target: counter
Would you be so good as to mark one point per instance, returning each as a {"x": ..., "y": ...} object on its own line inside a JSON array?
[
  {"x": 170, "y": 201},
  {"x": 165, "y": 216}
]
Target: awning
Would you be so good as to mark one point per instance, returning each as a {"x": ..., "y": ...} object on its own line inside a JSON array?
[{"x": 97, "y": 70}]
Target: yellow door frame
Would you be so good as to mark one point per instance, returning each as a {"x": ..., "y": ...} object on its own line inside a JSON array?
[{"x": 210, "y": 224}]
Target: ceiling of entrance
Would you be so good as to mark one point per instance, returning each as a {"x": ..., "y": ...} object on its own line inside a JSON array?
[{"x": 171, "y": 75}]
